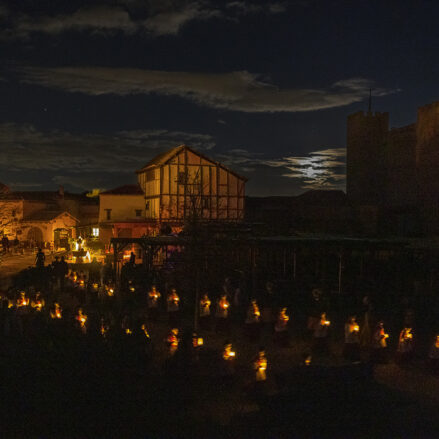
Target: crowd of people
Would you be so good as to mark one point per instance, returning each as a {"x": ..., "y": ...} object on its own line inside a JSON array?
[{"x": 90, "y": 305}]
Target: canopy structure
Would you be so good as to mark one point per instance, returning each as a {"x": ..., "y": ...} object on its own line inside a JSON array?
[{"x": 319, "y": 257}]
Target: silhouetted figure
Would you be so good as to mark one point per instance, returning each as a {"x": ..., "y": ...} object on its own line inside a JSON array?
[
  {"x": 40, "y": 259},
  {"x": 5, "y": 244},
  {"x": 379, "y": 344},
  {"x": 352, "y": 340},
  {"x": 320, "y": 335},
  {"x": 204, "y": 312},
  {"x": 63, "y": 271}
]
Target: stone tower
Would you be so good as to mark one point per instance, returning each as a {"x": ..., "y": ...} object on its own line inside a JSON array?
[
  {"x": 427, "y": 165},
  {"x": 366, "y": 164}
]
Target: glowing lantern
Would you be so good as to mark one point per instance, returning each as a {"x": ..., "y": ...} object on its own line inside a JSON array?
[
  {"x": 104, "y": 328},
  {"x": 172, "y": 341},
  {"x": 82, "y": 320},
  {"x": 128, "y": 331},
  {"x": 145, "y": 331},
  {"x": 228, "y": 354},
  {"x": 205, "y": 306},
  {"x": 153, "y": 297},
  {"x": 57, "y": 312},
  {"x": 22, "y": 300},
  {"x": 260, "y": 366}
]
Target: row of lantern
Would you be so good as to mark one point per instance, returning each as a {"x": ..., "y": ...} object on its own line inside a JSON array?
[{"x": 352, "y": 329}]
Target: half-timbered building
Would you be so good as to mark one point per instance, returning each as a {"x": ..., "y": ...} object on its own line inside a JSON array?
[{"x": 183, "y": 183}]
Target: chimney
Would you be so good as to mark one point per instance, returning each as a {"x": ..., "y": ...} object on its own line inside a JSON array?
[{"x": 61, "y": 191}]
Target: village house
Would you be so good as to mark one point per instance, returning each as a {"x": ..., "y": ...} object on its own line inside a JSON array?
[
  {"x": 175, "y": 186},
  {"x": 45, "y": 217}
]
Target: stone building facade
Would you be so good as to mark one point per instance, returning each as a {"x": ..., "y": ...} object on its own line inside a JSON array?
[
  {"x": 396, "y": 170},
  {"x": 44, "y": 217}
]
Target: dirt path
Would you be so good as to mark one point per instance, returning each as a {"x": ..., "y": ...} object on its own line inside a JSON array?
[{"x": 14, "y": 263}]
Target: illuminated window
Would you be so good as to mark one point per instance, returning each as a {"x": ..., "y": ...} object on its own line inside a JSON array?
[
  {"x": 138, "y": 212},
  {"x": 108, "y": 212},
  {"x": 95, "y": 231}
]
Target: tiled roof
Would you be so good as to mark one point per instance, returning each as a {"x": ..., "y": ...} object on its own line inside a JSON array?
[
  {"x": 44, "y": 215},
  {"x": 128, "y": 189}
]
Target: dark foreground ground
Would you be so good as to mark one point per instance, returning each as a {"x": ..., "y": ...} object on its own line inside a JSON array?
[{"x": 80, "y": 389}]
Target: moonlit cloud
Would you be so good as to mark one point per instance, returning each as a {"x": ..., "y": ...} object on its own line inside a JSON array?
[
  {"x": 323, "y": 169},
  {"x": 236, "y": 91}
]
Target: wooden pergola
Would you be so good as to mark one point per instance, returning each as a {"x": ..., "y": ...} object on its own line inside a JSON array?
[{"x": 282, "y": 256}]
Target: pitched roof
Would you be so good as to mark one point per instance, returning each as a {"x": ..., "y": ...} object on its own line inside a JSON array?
[
  {"x": 164, "y": 158},
  {"x": 46, "y": 215},
  {"x": 127, "y": 189}
]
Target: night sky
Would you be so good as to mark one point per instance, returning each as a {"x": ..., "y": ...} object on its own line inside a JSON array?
[{"x": 91, "y": 90}]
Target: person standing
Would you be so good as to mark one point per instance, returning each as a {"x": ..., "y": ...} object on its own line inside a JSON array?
[
  {"x": 253, "y": 320},
  {"x": 222, "y": 314},
  {"x": 260, "y": 366},
  {"x": 281, "y": 328},
  {"x": 404, "y": 351},
  {"x": 173, "y": 308},
  {"x": 204, "y": 312},
  {"x": 320, "y": 335},
  {"x": 63, "y": 272},
  {"x": 379, "y": 344},
  {"x": 352, "y": 340},
  {"x": 153, "y": 303},
  {"x": 40, "y": 259}
]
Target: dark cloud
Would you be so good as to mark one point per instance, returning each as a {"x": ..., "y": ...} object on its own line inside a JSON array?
[
  {"x": 85, "y": 158},
  {"x": 248, "y": 7},
  {"x": 152, "y": 17},
  {"x": 236, "y": 91}
]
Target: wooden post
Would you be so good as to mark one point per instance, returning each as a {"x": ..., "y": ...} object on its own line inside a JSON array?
[
  {"x": 253, "y": 269},
  {"x": 294, "y": 264},
  {"x": 340, "y": 272},
  {"x": 115, "y": 252},
  {"x": 197, "y": 297}
]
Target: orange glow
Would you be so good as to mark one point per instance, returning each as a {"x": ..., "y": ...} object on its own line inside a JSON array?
[
  {"x": 56, "y": 313},
  {"x": 228, "y": 354},
  {"x": 145, "y": 331}
]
